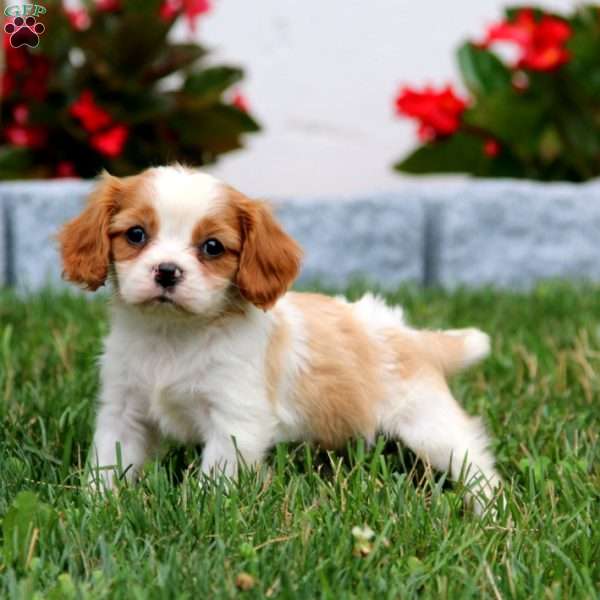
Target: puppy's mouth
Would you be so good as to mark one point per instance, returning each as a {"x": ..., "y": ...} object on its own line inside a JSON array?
[
  {"x": 165, "y": 304},
  {"x": 164, "y": 299}
]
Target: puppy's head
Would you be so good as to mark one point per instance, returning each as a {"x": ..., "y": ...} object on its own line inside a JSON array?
[{"x": 180, "y": 239}]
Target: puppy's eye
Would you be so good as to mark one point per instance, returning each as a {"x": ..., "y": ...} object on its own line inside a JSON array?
[
  {"x": 212, "y": 248},
  {"x": 136, "y": 236}
]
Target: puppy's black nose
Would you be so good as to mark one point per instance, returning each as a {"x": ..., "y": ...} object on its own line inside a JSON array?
[{"x": 167, "y": 274}]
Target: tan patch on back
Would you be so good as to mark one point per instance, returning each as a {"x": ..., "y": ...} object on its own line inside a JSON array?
[
  {"x": 341, "y": 387},
  {"x": 279, "y": 345},
  {"x": 426, "y": 354},
  {"x": 406, "y": 354}
]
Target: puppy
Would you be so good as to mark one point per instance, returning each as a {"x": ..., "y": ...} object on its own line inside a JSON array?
[{"x": 206, "y": 345}]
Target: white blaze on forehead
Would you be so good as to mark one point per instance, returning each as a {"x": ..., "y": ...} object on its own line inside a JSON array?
[{"x": 181, "y": 198}]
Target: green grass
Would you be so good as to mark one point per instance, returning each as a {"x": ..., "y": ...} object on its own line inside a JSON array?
[{"x": 290, "y": 526}]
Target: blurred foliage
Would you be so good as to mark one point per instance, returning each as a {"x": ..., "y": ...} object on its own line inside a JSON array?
[
  {"x": 538, "y": 118},
  {"x": 108, "y": 88}
]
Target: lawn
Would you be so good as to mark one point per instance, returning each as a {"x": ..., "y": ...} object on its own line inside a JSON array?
[{"x": 287, "y": 531}]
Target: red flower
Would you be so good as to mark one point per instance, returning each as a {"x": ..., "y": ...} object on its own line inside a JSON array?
[
  {"x": 21, "y": 114},
  {"x": 92, "y": 116},
  {"x": 65, "y": 168},
  {"x": 193, "y": 9},
  {"x": 542, "y": 42},
  {"x": 170, "y": 9},
  {"x": 25, "y": 72},
  {"x": 108, "y": 5},
  {"x": 110, "y": 142},
  {"x": 25, "y": 137},
  {"x": 438, "y": 112},
  {"x": 16, "y": 58},
  {"x": 34, "y": 89},
  {"x": 240, "y": 102},
  {"x": 35, "y": 81},
  {"x": 40, "y": 67},
  {"x": 78, "y": 18},
  {"x": 7, "y": 85},
  {"x": 491, "y": 148}
]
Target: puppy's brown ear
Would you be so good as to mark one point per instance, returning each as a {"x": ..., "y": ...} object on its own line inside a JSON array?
[
  {"x": 84, "y": 241},
  {"x": 270, "y": 258}
]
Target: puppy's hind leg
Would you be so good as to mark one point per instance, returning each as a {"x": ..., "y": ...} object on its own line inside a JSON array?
[{"x": 432, "y": 424}]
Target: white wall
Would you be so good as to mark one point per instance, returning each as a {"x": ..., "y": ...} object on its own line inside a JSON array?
[{"x": 321, "y": 77}]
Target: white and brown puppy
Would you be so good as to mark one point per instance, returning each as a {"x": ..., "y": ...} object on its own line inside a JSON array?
[{"x": 206, "y": 345}]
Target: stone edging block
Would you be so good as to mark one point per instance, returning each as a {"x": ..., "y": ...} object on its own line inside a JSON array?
[{"x": 452, "y": 231}]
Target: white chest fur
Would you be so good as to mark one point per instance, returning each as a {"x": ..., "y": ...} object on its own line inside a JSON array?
[{"x": 185, "y": 377}]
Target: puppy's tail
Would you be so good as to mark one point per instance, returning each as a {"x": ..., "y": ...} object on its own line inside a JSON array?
[{"x": 456, "y": 349}]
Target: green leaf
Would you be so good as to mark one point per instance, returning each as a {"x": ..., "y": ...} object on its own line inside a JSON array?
[
  {"x": 550, "y": 144},
  {"x": 173, "y": 58},
  {"x": 516, "y": 119},
  {"x": 213, "y": 127},
  {"x": 26, "y": 514},
  {"x": 124, "y": 51},
  {"x": 581, "y": 140},
  {"x": 583, "y": 70},
  {"x": 140, "y": 108},
  {"x": 208, "y": 85},
  {"x": 150, "y": 7},
  {"x": 460, "y": 153},
  {"x": 482, "y": 71},
  {"x": 14, "y": 162}
]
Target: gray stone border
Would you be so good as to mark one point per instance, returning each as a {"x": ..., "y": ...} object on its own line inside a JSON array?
[{"x": 448, "y": 232}]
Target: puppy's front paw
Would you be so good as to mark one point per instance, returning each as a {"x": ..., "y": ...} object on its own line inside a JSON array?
[
  {"x": 486, "y": 496},
  {"x": 101, "y": 480}
]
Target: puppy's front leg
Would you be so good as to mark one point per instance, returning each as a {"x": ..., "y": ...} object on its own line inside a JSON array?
[
  {"x": 225, "y": 450},
  {"x": 124, "y": 438}
]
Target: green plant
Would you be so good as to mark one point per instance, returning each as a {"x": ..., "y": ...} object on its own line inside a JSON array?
[
  {"x": 538, "y": 117},
  {"x": 107, "y": 87}
]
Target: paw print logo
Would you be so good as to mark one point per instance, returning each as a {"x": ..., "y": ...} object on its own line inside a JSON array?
[{"x": 24, "y": 32}]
